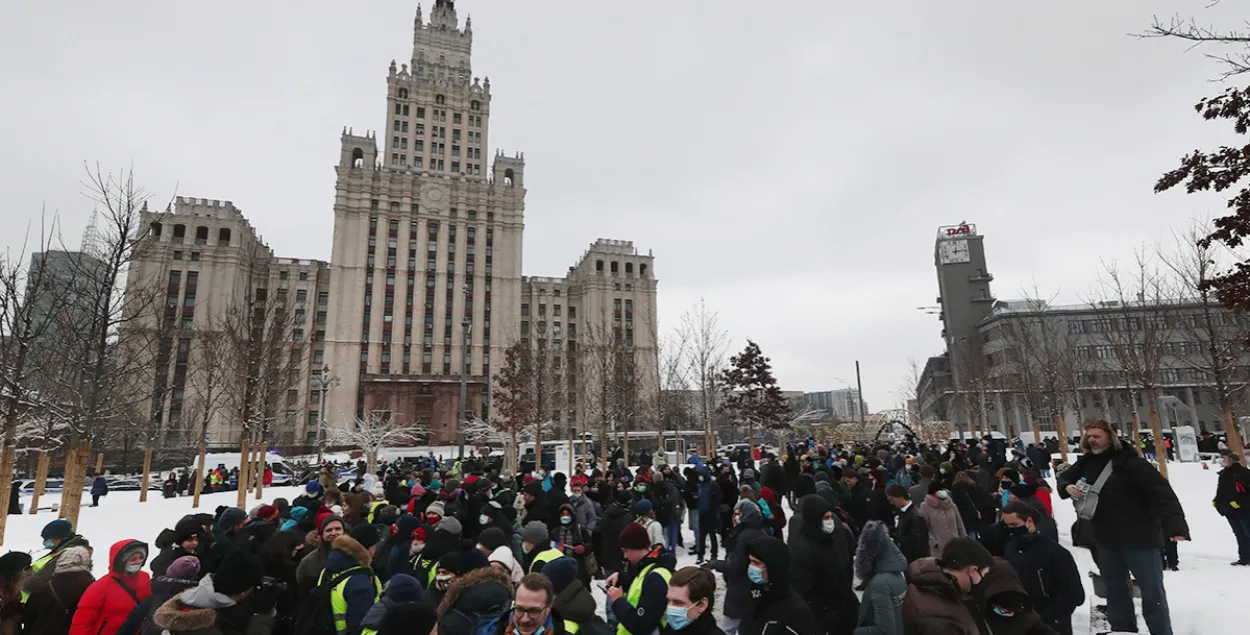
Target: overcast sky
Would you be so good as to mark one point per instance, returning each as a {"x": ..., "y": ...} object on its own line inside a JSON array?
[{"x": 787, "y": 161}]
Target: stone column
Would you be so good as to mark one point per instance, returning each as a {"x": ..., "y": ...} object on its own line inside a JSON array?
[{"x": 1193, "y": 408}]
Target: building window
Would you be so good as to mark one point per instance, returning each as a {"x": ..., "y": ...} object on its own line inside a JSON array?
[
  {"x": 455, "y": 118},
  {"x": 195, "y": 256}
]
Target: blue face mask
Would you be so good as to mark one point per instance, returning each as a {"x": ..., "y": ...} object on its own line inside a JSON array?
[
  {"x": 678, "y": 618},
  {"x": 641, "y": 488},
  {"x": 564, "y": 520},
  {"x": 49, "y": 544},
  {"x": 756, "y": 574}
]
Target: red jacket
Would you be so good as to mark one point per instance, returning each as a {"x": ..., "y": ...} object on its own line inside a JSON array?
[
  {"x": 774, "y": 505},
  {"x": 268, "y": 478},
  {"x": 109, "y": 600}
]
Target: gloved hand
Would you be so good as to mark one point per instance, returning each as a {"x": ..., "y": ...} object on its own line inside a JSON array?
[
  {"x": 579, "y": 549},
  {"x": 265, "y": 597}
]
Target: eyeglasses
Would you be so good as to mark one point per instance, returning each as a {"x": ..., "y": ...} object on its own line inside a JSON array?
[{"x": 530, "y": 611}]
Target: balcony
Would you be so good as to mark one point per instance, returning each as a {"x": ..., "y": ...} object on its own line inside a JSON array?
[{"x": 981, "y": 276}]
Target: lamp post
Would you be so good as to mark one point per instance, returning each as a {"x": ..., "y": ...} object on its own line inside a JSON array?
[
  {"x": 467, "y": 323},
  {"x": 324, "y": 381}
]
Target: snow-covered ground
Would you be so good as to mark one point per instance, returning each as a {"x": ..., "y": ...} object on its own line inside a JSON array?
[{"x": 1202, "y": 595}]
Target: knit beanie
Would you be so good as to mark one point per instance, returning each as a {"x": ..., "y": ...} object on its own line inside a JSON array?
[
  {"x": 492, "y": 538},
  {"x": 325, "y": 519},
  {"x": 561, "y": 571},
  {"x": 184, "y": 568},
  {"x": 535, "y": 533},
  {"x": 404, "y": 588},
  {"x": 407, "y": 618},
  {"x": 451, "y": 526},
  {"x": 634, "y": 536},
  {"x": 436, "y": 508}
]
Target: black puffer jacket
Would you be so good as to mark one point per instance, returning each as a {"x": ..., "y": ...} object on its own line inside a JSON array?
[
  {"x": 1137, "y": 508},
  {"x": 1049, "y": 575},
  {"x": 776, "y": 607},
  {"x": 821, "y": 569},
  {"x": 615, "y": 518},
  {"x": 734, "y": 567}
]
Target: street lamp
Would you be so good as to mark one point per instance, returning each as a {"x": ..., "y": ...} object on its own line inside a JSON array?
[
  {"x": 324, "y": 382},
  {"x": 467, "y": 323}
]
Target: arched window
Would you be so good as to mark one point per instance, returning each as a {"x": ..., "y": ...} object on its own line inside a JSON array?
[
  {"x": 180, "y": 232},
  {"x": 403, "y": 93},
  {"x": 475, "y": 105},
  {"x": 508, "y": 177},
  {"x": 616, "y": 266},
  {"x": 223, "y": 236},
  {"x": 440, "y": 99},
  {"x": 358, "y": 158},
  {"x": 629, "y": 268},
  {"x": 201, "y": 235},
  {"x": 156, "y": 229},
  {"x": 642, "y": 270},
  {"x": 599, "y": 265}
]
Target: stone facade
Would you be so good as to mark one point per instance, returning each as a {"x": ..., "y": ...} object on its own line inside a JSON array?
[{"x": 427, "y": 246}]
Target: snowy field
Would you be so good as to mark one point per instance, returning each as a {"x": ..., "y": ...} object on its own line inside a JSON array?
[{"x": 1202, "y": 595}]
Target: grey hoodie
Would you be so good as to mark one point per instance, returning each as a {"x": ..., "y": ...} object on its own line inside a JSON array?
[{"x": 880, "y": 563}]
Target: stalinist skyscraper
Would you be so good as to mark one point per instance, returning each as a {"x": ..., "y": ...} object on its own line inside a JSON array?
[{"x": 427, "y": 241}]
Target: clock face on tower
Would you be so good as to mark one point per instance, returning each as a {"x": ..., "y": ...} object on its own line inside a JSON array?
[{"x": 953, "y": 252}]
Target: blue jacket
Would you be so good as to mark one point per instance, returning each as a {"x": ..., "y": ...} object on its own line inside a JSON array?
[
  {"x": 360, "y": 591},
  {"x": 99, "y": 487}
]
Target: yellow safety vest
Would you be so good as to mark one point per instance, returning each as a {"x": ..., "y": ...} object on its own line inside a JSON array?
[
  {"x": 635, "y": 592},
  {"x": 373, "y": 509},
  {"x": 36, "y": 566},
  {"x": 541, "y": 560},
  {"x": 338, "y": 603}
]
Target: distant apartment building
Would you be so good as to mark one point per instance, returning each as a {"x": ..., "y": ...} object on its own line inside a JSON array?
[
  {"x": 843, "y": 403},
  {"x": 424, "y": 275}
]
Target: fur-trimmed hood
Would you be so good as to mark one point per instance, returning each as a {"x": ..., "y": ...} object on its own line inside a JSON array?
[
  {"x": 877, "y": 553},
  {"x": 477, "y": 591},
  {"x": 175, "y": 616},
  {"x": 345, "y": 553}
]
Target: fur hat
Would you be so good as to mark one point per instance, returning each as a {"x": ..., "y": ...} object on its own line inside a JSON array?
[{"x": 634, "y": 536}]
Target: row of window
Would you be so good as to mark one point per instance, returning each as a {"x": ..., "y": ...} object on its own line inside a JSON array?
[{"x": 201, "y": 234}]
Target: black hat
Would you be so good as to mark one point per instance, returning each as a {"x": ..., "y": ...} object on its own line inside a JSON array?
[
  {"x": 238, "y": 572},
  {"x": 463, "y": 561},
  {"x": 14, "y": 561},
  {"x": 408, "y": 617},
  {"x": 493, "y": 538},
  {"x": 366, "y": 535}
]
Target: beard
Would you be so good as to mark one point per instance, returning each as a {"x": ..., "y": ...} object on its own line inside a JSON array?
[{"x": 1098, "y": 450}]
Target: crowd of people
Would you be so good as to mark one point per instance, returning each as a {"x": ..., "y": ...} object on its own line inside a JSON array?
[{"x": 888, "y": 538}]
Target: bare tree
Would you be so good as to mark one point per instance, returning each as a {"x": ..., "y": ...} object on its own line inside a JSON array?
[
  {"x": 708, "y": 347},
  {"x": 1214, "y": 337},
  {"x": 1233, "y": 43},
  {"x": 672, "y": 404},
  {"x": 610, "y": 382},
  {"x": 377, "y": 431},
  {"x": 208, "y": 381},
  {"x": 513, "y": 398},
  {"x": 1136, "y": 317},
  {"x": 30, "y": 298}
]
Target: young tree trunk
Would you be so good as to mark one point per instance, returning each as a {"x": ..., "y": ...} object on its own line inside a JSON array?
[
  {"x": 244, "y": 464},
  {"x": 1233, "y": 432},
  {"x": 260, "y": 471},
  {"x": 7, "y": 460},
  {"x": 603, "y": 449},
  {"x": 41, "y": 480},
  {"x": 625, "y": 444},
  {"x": 538, "y": 446},
  {"x": 1135, "y": 437},
  {"x": 1037, "y": 432},
  {"x": 99, "y": 463},
  {"x": 1161, "y": 451},
  {"x": 71, "y": 494},
  {"x": 198, "y": 481},
  {"x": 1063, "y": 437},
  {"x": 512, "y": 454},
  {"x": 71, "y": 465},
  {"x": 751, "y": 438},
  {"x": 147, "y": 474}
]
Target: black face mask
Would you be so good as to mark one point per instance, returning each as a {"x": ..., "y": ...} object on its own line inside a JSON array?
[{"x": 1016, "y": 532}]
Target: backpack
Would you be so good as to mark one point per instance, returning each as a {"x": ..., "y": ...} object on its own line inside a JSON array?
[
  {"x": 490, "y": 623},
  {"x": 315, "y": 615}
]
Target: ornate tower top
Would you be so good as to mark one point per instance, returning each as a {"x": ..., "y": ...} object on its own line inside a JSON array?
[
  {"x": 444, "y": 15},
  {"x": 441, "y": 50}
]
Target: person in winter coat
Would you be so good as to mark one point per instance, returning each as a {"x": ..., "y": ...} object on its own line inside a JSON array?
[
  {"x": 777, "y": 608},
  {"x": 280, "y": 556},
  {"x": 879, "y": 563},
  {"x": 637, "y": 595},
  {"x": 14, "y": 566},
  {"x": 51, "y": 607},
  {"x": 942, "y": 518},
  {"x": 400, "y": 590},
  {"x": 778, "y": 514},
  {"x": 329, "y": 528},
  {"x": 495, "y": 544},
  {"x": 585, "y": 510},
  {"x": 1136, "y": 511},
  {"x": 973, "y": 503},
  {"x": 821, "y": 573},
  {"x": 354, "y": 551},
  {"x": 691, "y": 600},
  {"x": 708, "y": 503},
  {"x": 935, "y": 600},
  {"x": 1004, "y": 606},
  {"x": 1232, "y": 501},
  {"x": 921, "y": 489},
  {"x": 180, "y": 576},
  {"x": 99, "y": 487},
  {"x": 182, "y": 540},
  {"x": 573, "y": 606},
  {"x": 537, "y": 507},
  {"x": 213, "y": 606},
  {"x": 58, "y": 536},
  {"x": 748, "y": 524},
  {"x": 478, "y": 592},
  {"x": 667, "y": 509},
  {"x": 644, "y": 514},
  {"x": 911, "y": 531},
  {"x": 615, "y": 518},
  {"x": 1046, "y": 570},
  {"x": 573, "y": 540},
  {"x": 1027, "y": 493},
  {"x": 109, "y": 600}
]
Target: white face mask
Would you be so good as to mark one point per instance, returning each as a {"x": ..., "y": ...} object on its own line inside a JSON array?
[
  {"x": 483, "y": 519},
  {"x": 133, "y": 568},
  {"x": 416, "y": 548},
  {"x": 829, "y": 525}
]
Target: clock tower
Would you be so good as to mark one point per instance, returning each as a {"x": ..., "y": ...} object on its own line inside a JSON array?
[{"x": 964, "y": 297}]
